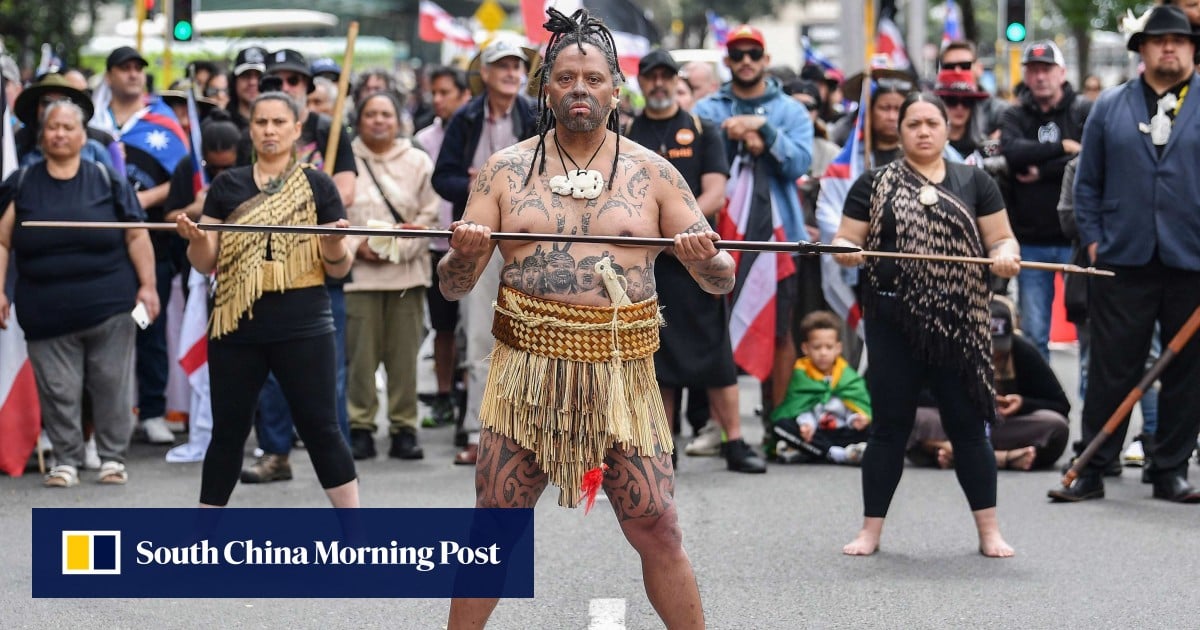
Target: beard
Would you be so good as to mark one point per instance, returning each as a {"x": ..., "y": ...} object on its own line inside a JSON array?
[
  {"x": 659, "y": 103},
  {"x": 748, "y": 83},
  {"x": 1171, "y": 74},
  {"x": 580, "y": 124}
]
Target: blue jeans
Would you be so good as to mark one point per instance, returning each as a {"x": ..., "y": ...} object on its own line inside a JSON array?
[
  {"x": 1035, "y": 293},
  {"x": 152, "y": 362},
  {"x": 274, "y": 420}
]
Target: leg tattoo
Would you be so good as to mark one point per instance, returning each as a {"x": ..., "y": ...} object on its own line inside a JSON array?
[
  {"x": 639, "y": 486},
  {"x": 506, "y": 475}
]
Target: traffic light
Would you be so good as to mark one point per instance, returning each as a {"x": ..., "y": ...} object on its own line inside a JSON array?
[
  {"x": 183, "y": 20},
  {"x": 1014, "y": 21}
]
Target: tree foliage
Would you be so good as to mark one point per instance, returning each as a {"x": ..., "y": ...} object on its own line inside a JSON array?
[
  {"x": 695, "y": 24},
  {"x": 25, "y": 25},
  {"x": 1084, "y": 16}
]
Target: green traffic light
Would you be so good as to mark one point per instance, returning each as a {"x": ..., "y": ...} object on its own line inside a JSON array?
[
  {"x": 183, "y": 30},
  {"x": 1015, "y": 32}
]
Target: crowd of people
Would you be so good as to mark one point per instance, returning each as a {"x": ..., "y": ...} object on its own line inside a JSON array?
[{"x": 548, "y": 353}]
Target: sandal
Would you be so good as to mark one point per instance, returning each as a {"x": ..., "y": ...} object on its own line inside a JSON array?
[
  {"x": 468, "y": 456},
  {"x": 61, "y": 476},
  {"x": 113, "y": 473}
]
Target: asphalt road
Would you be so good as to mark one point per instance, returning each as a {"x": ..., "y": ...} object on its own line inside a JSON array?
[{"x": 766, "y": 551}]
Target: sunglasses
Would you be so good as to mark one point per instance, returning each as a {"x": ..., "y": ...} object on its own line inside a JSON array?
[
  {"x": 894, "y": 85},
  {"x": 958, "y": 65},
  {"x": 955, "y": 101},
  {"x": 738, "y": 54},
  {"x": 216, "y": 91},
  {"x": 292, "y": 79},
  {"x": 812, "y": 107}
]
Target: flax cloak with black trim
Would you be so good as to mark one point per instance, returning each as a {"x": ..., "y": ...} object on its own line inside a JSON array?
[
  {"x": 243, "y": 271},
  {"x": 569, "y": 382}
]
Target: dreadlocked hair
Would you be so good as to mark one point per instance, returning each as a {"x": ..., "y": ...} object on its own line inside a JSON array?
[{"x": 579, "y": 29}]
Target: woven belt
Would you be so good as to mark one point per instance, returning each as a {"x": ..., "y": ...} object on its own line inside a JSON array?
[{"x": 574, "y": 332}]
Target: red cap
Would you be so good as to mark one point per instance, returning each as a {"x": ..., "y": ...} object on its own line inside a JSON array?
[{"x": 745, "y": 33}]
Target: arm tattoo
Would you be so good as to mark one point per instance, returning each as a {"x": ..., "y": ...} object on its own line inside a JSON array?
[
  {"x": 456, "y": 275},
  {"x": 715, "y": 275}
]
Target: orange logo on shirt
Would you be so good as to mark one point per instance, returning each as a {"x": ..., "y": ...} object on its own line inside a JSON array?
[{"x": 685, "y": 136}]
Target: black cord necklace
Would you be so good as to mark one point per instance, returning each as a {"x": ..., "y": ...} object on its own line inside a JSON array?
[{"x": 581, "y": 183}]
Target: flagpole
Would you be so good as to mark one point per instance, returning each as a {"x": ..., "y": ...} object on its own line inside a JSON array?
[
  {"x": 869, "y": 49},
  {"x": 339, "y": 107},
  {"x": 802, "y": 247}
]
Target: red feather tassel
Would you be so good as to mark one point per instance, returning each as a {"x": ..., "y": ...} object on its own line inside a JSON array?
[{"x": 591, "y": 485}]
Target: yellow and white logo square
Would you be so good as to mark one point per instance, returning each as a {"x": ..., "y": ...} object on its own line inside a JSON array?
[{"x": 91, "y": 553}]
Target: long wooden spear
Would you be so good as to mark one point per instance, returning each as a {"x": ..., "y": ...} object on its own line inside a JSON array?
[
  {"x": 1180, "y": 340},
  {"x": 802, "y": 247},
  {"x": 1044, "y": 266}
]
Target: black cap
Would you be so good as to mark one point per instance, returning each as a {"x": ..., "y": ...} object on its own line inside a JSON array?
[
  {"x": 657, "y": 58},
  {"x": 1002, "y": 324},
  {"x": 288, "y": 59},
  {"x": 122, "y": 55},
  {"x": 252, "y": 58}
]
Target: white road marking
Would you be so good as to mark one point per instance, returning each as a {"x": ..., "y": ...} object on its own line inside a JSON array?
[{"x": 606, "y": 614}]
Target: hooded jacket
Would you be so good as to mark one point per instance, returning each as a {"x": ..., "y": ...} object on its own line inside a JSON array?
[
  {"x": 404, "y": 174},
  {"x": 788, "y": 135},
  {"x": 1032, "y": 137}
]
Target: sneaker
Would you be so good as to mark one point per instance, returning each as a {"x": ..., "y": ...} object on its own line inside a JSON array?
[
  {"x": 268, "y": 468},
  {"x": 404, "y": 446},
  {"x": 91, "y": 458},
  {"x": 854, "y": 453},
  {"x": 739, "y": 457},
  {"x": 155, "y": 431},
  {"x": 788, "y": 454},
  {"x": 441, "y": 412},
  {"x": 362, "y": 444},
  {"x": 707, "y": 443},
  {"x": 1134, "y": 455}
]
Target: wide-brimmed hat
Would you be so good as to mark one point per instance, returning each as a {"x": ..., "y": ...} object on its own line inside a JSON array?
[
  {"x": 890, "y": 79},
  {"x": 959, "y": 84},
  {"x": 26, "y": 106},
  {"x": 204, "y": 105},
  {"x": 1165, "y": 19},
  {"x": 497, "y": 49}
]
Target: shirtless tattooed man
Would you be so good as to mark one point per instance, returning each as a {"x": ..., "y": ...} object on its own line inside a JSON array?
[{"x": 571, "y": 387}]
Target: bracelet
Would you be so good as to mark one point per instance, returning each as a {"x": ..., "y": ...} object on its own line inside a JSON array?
[{"x": 339, "y": 261}]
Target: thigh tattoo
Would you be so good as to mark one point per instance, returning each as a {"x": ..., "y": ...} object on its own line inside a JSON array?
[
  {"x": 639, "y": 486},
  {"x": 506, "y": 475}
]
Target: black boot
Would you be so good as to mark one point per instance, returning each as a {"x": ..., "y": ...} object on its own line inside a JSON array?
[
  {"x": 362, "y": 444},
  {"x": 1087, "y": 486},
  {"x": 404, "y": 446},
  {"x": 739, "y": 457}
]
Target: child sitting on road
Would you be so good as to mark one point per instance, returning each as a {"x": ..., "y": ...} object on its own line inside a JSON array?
[{"x": 825, "y": 414}]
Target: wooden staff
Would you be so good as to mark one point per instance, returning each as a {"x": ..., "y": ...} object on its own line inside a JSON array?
[
  {"x": 1180, "y": 340},
  {"x": 802, "y": 247},
  {"x": 1064, "y": 268},
  {"x": 339, "y": 107}
]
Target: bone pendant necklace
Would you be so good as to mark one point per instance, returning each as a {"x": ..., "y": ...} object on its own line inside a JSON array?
[{"x": 581, "y": 183}]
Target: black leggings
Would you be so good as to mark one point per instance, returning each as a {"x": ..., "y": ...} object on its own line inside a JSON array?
[
  {"x": 895, "y": 378},
  {"x": 305, "y": 371}
]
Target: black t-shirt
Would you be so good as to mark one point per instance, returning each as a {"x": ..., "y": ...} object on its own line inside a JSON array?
[
  {"x": 182, "y": 192},
  {"x": 70, "y": 280},
  {"x": 693, "y": 152},
  {"x": 292, "y": 314},
  {"x": 972, "y": 185}
]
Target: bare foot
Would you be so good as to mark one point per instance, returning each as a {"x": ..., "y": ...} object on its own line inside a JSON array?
[
  {"x": 993, "y": 546},
  {"x": 945, "y": 458},
  {"x": 1021, "y": 458},
  {"x": 865, "y": 544}
]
